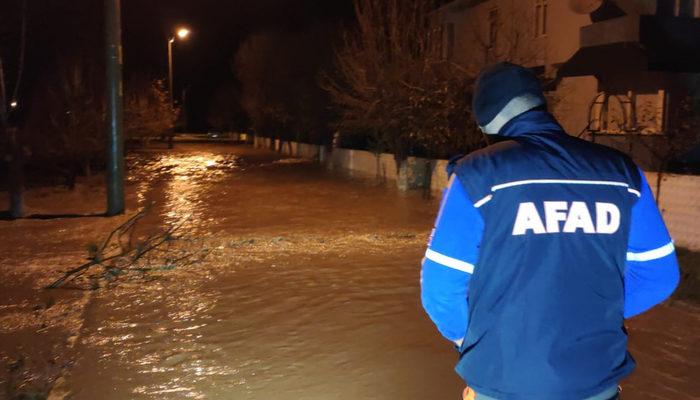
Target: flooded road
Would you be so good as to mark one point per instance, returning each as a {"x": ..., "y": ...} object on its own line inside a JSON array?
[{"x": 310, "y": 292}]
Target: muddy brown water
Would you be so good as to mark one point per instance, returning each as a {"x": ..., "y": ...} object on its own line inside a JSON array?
[{"x": 311, "y": 292}]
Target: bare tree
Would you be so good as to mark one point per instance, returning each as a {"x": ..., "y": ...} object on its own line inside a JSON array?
[
  {"x": 513, "y": 33},
  {"x": 508, "y": 34},
  {"x": 279, "y": 88},
  {"x": 225, "y": 111},
  {"x": 677, "y": 140},
  {"x": 391, "y": 83},
  {"x": 148, "y": 113},
  {"x": 76, "y": 114}
]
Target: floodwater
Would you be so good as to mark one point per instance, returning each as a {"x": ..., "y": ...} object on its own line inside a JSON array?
[{"x": 310, "y": 292}]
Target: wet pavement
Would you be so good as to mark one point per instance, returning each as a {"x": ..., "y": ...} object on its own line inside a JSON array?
[{"x": 310, "y": 291}]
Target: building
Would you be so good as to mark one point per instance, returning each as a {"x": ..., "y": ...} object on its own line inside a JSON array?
[{"x": 616, "y": 72}]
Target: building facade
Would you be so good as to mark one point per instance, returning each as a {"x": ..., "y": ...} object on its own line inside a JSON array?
[{"x": 616, "y": 72}]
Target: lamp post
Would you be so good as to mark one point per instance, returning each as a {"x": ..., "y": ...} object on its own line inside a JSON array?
[{"x": 182, "y": 34}]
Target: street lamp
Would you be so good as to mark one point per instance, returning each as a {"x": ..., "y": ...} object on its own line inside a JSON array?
[{"x": 182, "y": 34}]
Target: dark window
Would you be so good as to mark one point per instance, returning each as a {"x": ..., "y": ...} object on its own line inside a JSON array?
[
  {"x": 540, "y": 27},
  {"x": 665, "y": 7},
  {"x": 686, "y": 8},
  {"x": 493, "y": 28},
  {"x": 544, "y": 18}
]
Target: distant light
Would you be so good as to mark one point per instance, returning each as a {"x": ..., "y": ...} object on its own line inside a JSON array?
[
  {"x": 14, "y": 104},
  {"x": 182, "y": 33}
]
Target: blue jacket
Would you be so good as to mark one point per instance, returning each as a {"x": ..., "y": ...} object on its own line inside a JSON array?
[{"x": 544, "y": 243}]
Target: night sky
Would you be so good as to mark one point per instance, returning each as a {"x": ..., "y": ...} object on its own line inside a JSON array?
[
  {"x": 59, "y": 28},
  {"x": 202, "y": 63}
]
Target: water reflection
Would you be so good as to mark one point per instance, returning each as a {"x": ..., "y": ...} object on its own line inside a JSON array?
[
  {"x": 156, "y": 331},
  {"x": 175, "y": 182},
  {"x": 204, "y": 165},
  {"x": 182, "y": 201}
]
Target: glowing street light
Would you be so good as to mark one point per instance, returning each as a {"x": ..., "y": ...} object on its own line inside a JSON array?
[
  {"x": 182, "y": 34},
  {"x": 14, "y": 104}
]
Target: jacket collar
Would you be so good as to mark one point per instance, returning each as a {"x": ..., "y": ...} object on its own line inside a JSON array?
[{"x": 531, "y": 123}]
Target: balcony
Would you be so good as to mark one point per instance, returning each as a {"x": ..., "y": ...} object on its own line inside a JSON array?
[{"x": 637, "y": 43}]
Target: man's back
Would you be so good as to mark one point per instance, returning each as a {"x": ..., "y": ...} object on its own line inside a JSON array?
[
  {"x": 544, "y": 243},
  {"x": 546, "y": 297}
]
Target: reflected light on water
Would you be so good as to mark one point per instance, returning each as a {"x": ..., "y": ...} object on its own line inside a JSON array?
[
  {"x": 164, "y": 347},
  {"x": 182, "y": 176},
  {"x": 182, "y": 199},
  {"x": 206, "y": 165}
]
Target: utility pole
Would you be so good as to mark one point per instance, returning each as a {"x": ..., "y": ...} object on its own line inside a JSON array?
[
  {"x": 170, "y": 71},
  {"x": 115, "y": 138},
  {"x": 182, "y": 34},
  {"x": 16, "y": 171}
]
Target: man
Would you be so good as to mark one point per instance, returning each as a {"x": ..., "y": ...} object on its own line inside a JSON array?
[{"x": 544, "y": 243}]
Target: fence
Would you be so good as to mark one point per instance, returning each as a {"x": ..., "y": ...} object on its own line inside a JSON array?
[{"x": 679, "y": 202}]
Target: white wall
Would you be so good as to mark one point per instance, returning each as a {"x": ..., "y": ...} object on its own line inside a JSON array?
[
  {"x": 679, "y": 194},
  {"x": 679, "y": 202}
]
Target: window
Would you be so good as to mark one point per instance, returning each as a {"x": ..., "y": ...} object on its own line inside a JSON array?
[
  {"x": 493, "y": 28},
  {"x": 649, "y": 111},
  {"x": 678, "y": 8},
  {"x": 540, "y": 18},
  {"x": 642, "y": 113},
  {"x": 685, "y": 8}
]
